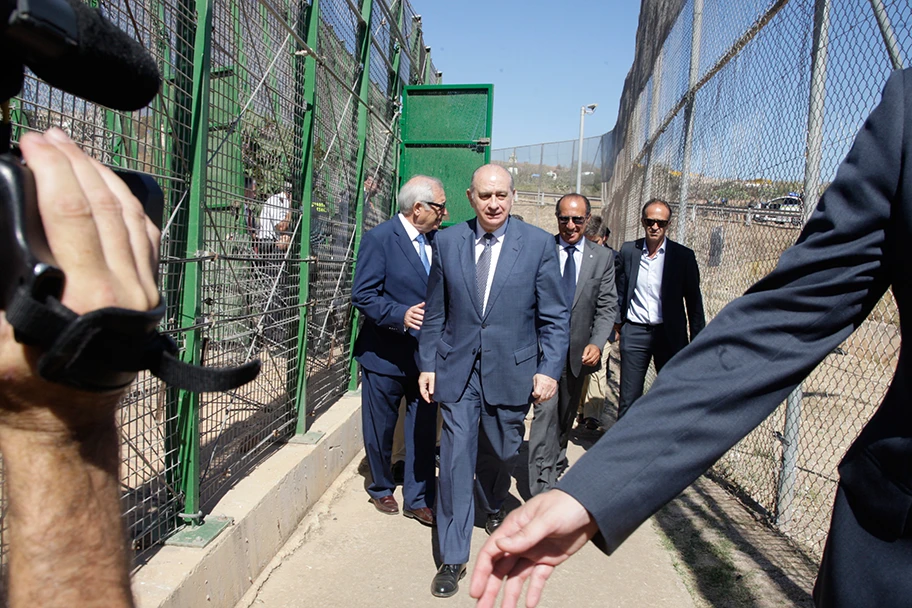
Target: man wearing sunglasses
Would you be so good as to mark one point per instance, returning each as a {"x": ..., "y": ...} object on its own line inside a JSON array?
[
  {"x": 656, "y": 279},
  {"x": 389, "y": 288}
]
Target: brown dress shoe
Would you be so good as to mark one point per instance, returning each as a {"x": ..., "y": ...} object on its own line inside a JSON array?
[
  {"x": 386, "y": 505},
  {"x": 423, "y": 514}
]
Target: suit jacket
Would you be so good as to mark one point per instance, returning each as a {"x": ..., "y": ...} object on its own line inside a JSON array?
[
  {"x": 855, "y": 245},
  {"x": 389, "y": 279},
  {"x": 522, "y": 332},
  {"x": 680, "y": 286},
  {"x": 594, "y": 305}
]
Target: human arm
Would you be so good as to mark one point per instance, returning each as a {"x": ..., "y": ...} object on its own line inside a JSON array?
[
  {"x": 605, "y": 313},
  {"x": 693, "y": 298},
  {"x": 369, "y": 287},
  {"x": 552, "y": 318},
  {"x": 60, "y": 446},
  {"x": 434, "y": 314}
]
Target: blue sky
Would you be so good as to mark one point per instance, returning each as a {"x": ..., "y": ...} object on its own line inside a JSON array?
[{"x": 545, "y": 60}]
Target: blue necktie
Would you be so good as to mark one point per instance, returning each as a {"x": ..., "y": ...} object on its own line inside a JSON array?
[
  {"x": 569, "y": 278},
  {"x": 422, "y": 253}
]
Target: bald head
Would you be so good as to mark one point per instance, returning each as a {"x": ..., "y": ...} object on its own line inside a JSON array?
[{"x": 491, "y": 196}]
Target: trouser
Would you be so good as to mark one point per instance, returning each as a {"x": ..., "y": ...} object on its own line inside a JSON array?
[
  {"x": 380, "y": 396},
  {"x": 550, "y": 433},
  {"x": 479, "y": 443},
  {"x": 595, "y": 391},
  {"x": 639, "y": 344}
]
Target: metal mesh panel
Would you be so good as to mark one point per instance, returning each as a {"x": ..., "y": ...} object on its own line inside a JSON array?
[
  {"x": 249, "y": 293},
  {"x": 542, "y": 169}
]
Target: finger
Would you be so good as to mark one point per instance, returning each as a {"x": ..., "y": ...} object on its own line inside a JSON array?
[
  {"x": 420, "y": 305},
  {"x": 144, "y": 235},
  {"x": 537, "y": 581},
  {"x": 108, "y": 213},
  {"x": 67, "y": 218},
  {"x": 515, "y": 581}
]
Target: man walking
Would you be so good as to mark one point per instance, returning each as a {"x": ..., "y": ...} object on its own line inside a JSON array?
[
  {"x": 588, "y": 281},
  {"x": 389, "y": 288},
  {"x": 656, "y": 278},
  {"x": 494, "y": 338}
]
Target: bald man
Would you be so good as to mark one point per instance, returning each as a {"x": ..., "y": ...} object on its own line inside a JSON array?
[
  {"x": 389, "y": 288},
  {"x": 494, "y": 339}
]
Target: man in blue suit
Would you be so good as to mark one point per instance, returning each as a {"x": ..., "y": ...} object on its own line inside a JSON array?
[
  {"x": 734, "y": 374},
  {"x": 495, "y": 336},
  {"x": 389, "y": 289}
]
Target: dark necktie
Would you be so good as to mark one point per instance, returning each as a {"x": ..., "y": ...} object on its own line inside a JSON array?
[
  {"x": 482, "y": 267},
  {"x": 569, "y": 278},
  {"x": 422, "y": 252}
]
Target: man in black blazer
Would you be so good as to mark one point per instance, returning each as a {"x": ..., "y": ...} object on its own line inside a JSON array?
[
  {"x": 738, "y": 370},
  {"x": 656, "y": 278},
  {"x": 587, "y": 275},
  {"x": 389, "y": 288}
]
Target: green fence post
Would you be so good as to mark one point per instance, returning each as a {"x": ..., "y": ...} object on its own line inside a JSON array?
[
  {"x": 190, "y": 163},
  {"x": 364, "y": 47},
  {"x": 305, "y": 66}
]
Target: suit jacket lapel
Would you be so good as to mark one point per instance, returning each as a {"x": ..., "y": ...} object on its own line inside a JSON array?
[
  {"x": 587, "y": 269},
  {"x": 509, "y": 253},
  {"x": 408, "y": 250},
  {"x": 466, "y": 251},
  {"x": 633, "y": 268}
]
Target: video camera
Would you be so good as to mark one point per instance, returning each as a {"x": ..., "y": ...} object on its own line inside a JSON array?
[{"x": 74, "y": 48}]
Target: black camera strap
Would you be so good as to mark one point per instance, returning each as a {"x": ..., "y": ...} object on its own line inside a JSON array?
[{"x": 103, "y": 350}]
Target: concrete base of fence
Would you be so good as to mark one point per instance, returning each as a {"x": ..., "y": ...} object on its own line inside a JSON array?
[{"x": 266, "y": 505}]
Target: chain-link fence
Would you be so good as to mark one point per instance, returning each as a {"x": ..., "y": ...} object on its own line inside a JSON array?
[
  {"x": 739, "y": 115},
  {"x": 542, "y": 169},
  {"x": 275, "y": 140}
]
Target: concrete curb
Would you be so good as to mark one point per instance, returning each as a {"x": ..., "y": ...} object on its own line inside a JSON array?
[{"x": 266, "y": 506}]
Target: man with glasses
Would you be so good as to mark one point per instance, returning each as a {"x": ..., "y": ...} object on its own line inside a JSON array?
[
  {"x": 656, "y": 279},
  {"x": 587, "y": 273},
  {"x": 390, "y": 283}
]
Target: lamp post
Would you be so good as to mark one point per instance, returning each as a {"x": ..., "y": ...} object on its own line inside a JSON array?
[{"x": 579, "y": 163}]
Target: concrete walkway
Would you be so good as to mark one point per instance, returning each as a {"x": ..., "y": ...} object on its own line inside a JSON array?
[{"x": 345, "y": 553}]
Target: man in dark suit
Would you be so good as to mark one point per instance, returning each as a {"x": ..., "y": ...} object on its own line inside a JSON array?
[
  {"x": 389, "y": 289},
  {"x": 756, "y": 350},
  {"x": 656, "y": 278},
  {"x": 588, "y": 279},
  {"x": 494, "y": 338}
]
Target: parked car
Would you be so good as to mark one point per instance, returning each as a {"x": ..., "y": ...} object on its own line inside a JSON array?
[{"x": 788, "y": 210}]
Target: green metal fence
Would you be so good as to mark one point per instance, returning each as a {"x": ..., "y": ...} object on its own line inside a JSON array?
[
  {"x": 735, "y": 112},
  {"x": 260, "y": 98}
]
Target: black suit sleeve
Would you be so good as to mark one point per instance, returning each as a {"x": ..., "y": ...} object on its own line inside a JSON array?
[
  {"x": 693, "y": 299},
  {"x": 760, "y": 346},
  {"x": 620, "y": 280}
]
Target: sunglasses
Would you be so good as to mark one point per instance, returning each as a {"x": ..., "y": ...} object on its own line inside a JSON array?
[
  {"x": 648, "y": 221},
  {"x": 577, "y": 219},
  {"x": 439, "y": 207}
]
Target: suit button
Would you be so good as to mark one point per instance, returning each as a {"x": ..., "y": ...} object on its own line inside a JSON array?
[
  {"x": 484, "y": 325},
  {"x": 474, "y": 350}
]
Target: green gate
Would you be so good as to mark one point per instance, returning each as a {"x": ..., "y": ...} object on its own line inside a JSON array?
[{"x": 446, "y": 133}]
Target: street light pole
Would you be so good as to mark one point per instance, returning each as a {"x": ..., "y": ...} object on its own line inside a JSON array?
[{"x": 579, "y": 160}]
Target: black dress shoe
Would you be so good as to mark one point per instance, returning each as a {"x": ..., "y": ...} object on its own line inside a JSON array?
[
  {"x": 494, "y": 520},
  {"x": 446, "y": 581}
]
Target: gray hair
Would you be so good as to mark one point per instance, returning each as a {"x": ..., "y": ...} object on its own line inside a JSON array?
[{"x": 418, "y": 188}]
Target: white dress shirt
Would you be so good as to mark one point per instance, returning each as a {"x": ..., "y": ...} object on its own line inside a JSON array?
[
  {"x": 273, "y": 212},
  {"x": 413, "y": 234},
  {"x": 646, "y": 305},
  {"x": 495, "y": 254},
  {"x": 577, "y": 256}
]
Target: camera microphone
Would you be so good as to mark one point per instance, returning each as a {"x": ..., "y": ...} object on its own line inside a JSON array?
[{"x": 76, "y": 49}]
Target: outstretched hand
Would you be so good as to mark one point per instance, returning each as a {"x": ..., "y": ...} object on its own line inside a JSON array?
[{"x": 532, "y": 540}]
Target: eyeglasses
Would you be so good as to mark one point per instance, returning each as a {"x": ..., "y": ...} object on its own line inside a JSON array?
[
  {"x": 439, "y": 207},
  {"x": 649, "y": 221},
  {"x": 577, "y": 219}
]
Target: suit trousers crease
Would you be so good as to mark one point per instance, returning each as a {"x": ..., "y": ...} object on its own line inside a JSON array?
[
  {"x": 550, "y": 432},
  {"x": 380, "y": 397},
  {"x": 639, "y": 345},
  {"x": 479, "y": 443}
]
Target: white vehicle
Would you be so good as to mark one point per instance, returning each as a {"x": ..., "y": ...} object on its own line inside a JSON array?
[{"x": 783, "y": 210}]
